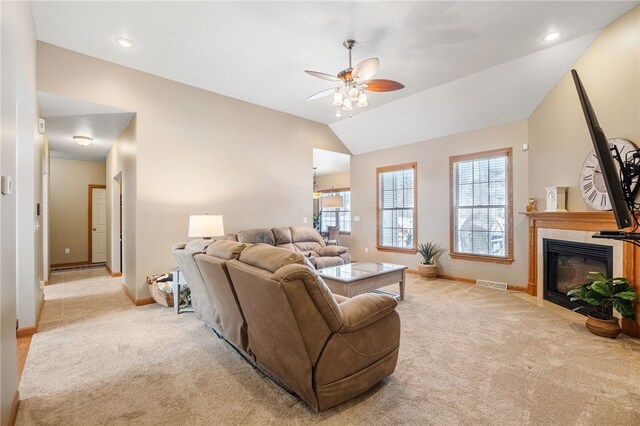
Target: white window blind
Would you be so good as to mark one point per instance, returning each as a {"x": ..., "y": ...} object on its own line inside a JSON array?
[
  {"x": 396, "y": 207},
  {"x": 332, "y": 216},
  {"x": 480, "y": 205}
]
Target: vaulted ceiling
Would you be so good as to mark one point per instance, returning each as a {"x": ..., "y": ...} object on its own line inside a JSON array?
[{"x": 465, "y": 65}]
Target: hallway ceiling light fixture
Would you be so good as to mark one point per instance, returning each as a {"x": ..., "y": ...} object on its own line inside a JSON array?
[
  {"x": 353, "y": 82},
  {"x": 552, "y": 36},
  {"x": 125, "y": 42},
  {"x": 83, "y": 140}
]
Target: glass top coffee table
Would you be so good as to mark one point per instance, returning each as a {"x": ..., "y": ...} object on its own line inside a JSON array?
[{"x": 361, "y": 277}]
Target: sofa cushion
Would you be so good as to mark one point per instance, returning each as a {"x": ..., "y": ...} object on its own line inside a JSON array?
[
  {"x": 257, "y": 236},
  {"x": 303, "y": 234},
  {"x": 199, "y": 245},
  {"x": 225, "y": 249},
  {"x": 282, "y": 236},
  {"x": 270, "y": 258}
]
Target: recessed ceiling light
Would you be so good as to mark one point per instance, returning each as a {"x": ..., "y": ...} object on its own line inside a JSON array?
[
  {"x": 552, "y": 36},
  {"x": 125, "y": 42},
  {"x": 83, "y": 140}
]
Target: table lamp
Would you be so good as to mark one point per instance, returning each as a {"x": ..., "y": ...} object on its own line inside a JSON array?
[{"x": 205, "y": 226}]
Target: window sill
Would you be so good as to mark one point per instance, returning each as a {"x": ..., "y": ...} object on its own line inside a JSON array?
[
  {"x": 396, "y": 250},
  {"x": 479, "y": 258}
]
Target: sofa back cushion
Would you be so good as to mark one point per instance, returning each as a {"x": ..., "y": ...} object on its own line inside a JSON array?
[
  {"x": 225, "y": 249},
  {"x": 257, "y": 236},
  {"x": 283, "y": 239},
  {"x": 307, "y": 240},
  {"x": 269, "y": 258}
]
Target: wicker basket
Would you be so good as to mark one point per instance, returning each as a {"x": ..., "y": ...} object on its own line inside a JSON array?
[{"x": 162, "y": 298}]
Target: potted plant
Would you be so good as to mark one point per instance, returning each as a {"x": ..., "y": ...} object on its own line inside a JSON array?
[
  {"x": 604, "y": 293},
  {"x": 428, "y": 268}
]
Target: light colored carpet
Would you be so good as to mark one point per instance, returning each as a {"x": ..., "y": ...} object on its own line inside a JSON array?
[{"x": 468, "y": 356}]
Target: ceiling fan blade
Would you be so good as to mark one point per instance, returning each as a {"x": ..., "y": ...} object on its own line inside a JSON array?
[
  {"x": 383, "y": 85},
  {"x": 323, "y": 75},
  {"x": 366, "y": 69},
  {"x": 322, "y": 94}
]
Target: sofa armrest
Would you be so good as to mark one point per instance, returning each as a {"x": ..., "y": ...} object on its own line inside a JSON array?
[
  {"x": 332, "y": 250},
  {"x": 178, "y": 246},
  {"x": 340, "y": 299},
  {"x": 360, "y": 311}
]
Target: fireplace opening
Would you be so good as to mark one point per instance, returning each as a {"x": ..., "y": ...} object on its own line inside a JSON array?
[{"x": 566, "y": 266}]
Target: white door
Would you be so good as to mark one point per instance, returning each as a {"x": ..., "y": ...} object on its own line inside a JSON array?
[{"x": 98, "y": 225}]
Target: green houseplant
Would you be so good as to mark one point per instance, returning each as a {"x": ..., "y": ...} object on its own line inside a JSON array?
[
  {"x": 603, "y": 294},
  {"x": 428, "y": 267}
]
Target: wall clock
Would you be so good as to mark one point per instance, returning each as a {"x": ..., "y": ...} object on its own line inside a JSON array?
[{"x": 592, "y": 186}]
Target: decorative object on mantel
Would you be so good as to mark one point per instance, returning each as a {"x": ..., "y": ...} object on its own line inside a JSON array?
[
  {"x": 428, "y": 268},
  {"x": 592, "y": 185},
  {"x": 531, "y": 205},
  {"x": 556, "y": 199},
  {"x": 603, "y": 294}
]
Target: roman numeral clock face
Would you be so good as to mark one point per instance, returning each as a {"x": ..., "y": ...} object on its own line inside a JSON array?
[{"x": 592, "y": 186}]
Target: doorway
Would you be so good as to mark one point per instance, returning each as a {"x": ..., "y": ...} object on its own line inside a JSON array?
[{"x": 97, "y": 223}]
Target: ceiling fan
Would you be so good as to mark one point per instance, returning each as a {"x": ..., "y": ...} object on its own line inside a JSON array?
[{"x": 353, "y": 83}]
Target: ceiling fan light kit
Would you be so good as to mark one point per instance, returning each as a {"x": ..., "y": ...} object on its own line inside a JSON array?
[{"x": 354, "y": 81}]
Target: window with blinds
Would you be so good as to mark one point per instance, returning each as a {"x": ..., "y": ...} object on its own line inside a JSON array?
[
  {"x": 336, "y": 216},
  {"x": 481, "y": 214},
  {"x": 396, "y": 200}
]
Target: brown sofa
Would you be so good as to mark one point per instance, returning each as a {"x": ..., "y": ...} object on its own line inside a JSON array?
[
  {"x": 281, "y": 315},
  {"x": 306, "y": 241}
]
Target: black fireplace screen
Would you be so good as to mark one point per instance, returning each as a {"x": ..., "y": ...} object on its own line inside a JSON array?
[{"x": 566, "y": 266}]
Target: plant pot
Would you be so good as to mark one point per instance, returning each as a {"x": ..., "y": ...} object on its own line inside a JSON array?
[
  {"x": 603, "y": 327},
  {"x": 429, "y": 271}
]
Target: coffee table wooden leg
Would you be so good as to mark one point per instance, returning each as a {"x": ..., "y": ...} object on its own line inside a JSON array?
[{"x": 402, "y": 286}]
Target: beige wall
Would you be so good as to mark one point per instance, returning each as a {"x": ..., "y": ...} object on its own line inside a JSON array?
[
  {"x": 433, "y": 199},
  {"x": 69, "y": 203},
  {"x": 196, "y": 152},
  {"x": 17, "y": 85},
  {"x": 558, "y": 135},
  {"x": 121, "y": 167},
  {"x": 336, "y": 180}
]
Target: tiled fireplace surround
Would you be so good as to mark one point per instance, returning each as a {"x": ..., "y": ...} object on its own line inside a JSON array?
[{"x": 579, "y": 227}]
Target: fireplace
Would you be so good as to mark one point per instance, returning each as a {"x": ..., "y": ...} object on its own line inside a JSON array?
[{"x": 566, "y": 266}]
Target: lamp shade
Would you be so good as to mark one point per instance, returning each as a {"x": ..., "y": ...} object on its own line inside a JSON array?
[
  {"x": 205, "y": 226},
  {"x": 332, "y": 201}
]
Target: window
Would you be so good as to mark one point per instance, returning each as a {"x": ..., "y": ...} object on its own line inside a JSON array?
[
  {"x": 481, "y": 216},
  {"x": 332, "y": 216},
  {"x": 396, "y": 200}
]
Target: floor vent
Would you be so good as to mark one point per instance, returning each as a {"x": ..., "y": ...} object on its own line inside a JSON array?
[{"x": 491, "y": 284}]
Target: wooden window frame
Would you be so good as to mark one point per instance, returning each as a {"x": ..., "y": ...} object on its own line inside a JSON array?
[
  {"x": 404, "y": 166},
  {"x": 329, "y": 191},
  {"x": 508, "y": 152}
]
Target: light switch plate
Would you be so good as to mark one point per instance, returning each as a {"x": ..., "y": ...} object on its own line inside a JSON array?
[{"x": 6, "y": 185}]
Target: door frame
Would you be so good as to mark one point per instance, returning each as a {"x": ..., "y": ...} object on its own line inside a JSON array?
[{"x": 91, "y": 188}]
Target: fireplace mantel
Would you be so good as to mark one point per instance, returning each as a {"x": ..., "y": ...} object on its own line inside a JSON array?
[{"x": 583, "y": 221}]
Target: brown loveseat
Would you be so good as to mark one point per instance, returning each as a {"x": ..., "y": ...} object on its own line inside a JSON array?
[
  {"x": 306, "y": 241},
  {"x": 279, "y": 313}
]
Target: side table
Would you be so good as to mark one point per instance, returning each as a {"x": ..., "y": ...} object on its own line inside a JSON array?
[{"x": 178, "y": 284}]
